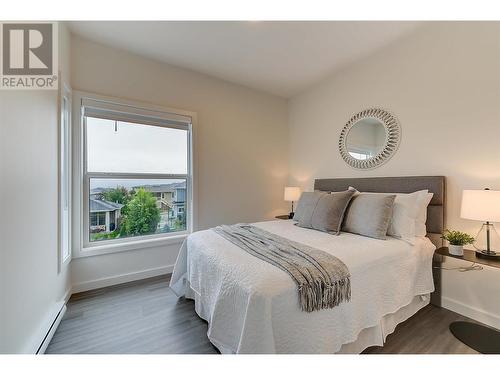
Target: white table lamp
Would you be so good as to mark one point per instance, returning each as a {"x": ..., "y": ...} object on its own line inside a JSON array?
[
  {"x": 483, "y": 205},
  {"x": 292, "y": 194}
]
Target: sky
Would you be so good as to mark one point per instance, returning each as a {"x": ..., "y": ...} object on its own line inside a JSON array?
[{"x": 135, "y": 148}]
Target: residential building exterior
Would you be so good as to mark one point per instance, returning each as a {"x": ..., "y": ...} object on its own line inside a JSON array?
[
  {"x": 104, "y": 215},
  {"x": 170, "y": 199}
]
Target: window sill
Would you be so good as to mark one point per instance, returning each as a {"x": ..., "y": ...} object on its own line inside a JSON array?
[{"x": 130, "y": 246}]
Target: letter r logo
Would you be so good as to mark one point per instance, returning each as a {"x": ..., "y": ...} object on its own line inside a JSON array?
[{"x": 27, "y": 49}]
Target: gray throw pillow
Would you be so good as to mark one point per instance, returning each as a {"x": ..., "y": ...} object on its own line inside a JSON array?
[
  {"x": 369, "y": 215},
  {"x": 328, "y": 211},
  {"x": 306, "y": 205}
]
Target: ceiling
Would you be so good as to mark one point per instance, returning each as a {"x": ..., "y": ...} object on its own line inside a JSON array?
[{"x": 281, "y": 58}]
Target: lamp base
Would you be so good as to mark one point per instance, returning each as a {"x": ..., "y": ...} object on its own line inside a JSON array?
[
  {"x": 487, "y": 243},
  {"x": 291, "y": 214},
  {"x": 488, "y": 254}
]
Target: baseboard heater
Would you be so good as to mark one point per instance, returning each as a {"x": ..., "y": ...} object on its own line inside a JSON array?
[{"x": 50, "y": 333}]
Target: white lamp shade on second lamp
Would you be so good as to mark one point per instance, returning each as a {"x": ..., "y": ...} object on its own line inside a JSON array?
[
  {"x": 292, "y": 194},
  {"x": 481, "y": 205}
]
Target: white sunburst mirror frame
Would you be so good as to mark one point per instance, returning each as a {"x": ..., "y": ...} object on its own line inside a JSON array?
[{"x": 392, "y": 138}]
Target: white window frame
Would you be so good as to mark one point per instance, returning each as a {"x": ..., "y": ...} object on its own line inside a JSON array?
[
  {"x": 64, "y": 175},
  {"x": 82, "y": 245},
  {"x": 361, "y": 151}
]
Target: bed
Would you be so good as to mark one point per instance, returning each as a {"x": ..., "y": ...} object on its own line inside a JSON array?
[{"x": 251, "y": 306}]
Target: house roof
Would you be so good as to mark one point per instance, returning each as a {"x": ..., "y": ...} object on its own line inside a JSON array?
[
  {"x": 163, "y": 188},
  {"x": 100, "y": 205}
]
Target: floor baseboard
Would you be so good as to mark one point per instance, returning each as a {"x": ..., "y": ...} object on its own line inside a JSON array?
[
  {"x": 471, "y": 312},
  {"x": 120, "y": 279}
]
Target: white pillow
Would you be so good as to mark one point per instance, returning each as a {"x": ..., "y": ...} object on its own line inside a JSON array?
[
  {"x": 404, "y": 215},
  {"x": 420, "y": 228}
]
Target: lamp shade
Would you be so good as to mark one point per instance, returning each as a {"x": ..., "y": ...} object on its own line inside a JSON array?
[
  {"x": 292, "y": 193},
  {"x": 481, "y": 205}
]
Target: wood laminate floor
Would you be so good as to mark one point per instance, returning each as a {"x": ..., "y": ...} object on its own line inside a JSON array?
[{"x": 146, "y": 317}]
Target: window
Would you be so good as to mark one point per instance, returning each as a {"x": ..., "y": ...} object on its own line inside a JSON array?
[
  {"x": 360, "y": 155},
  {"x": 65, "y": 176},
  {"x": 97, "y": 218},
  {"x": 136, "y": 165},
  {"x": 361, "y": 152}
]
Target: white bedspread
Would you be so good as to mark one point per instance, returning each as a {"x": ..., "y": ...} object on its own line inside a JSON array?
[{"x": 252, "y": 306}]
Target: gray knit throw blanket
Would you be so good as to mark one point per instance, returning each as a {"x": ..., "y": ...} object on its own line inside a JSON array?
[{"x": 323, "y": 280}]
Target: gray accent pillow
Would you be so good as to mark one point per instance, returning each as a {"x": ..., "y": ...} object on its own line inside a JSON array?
[
  {"x": 325, "y": 211},
  {"x": 369, "y": 214},
  {"x": 306, "y": 205}
]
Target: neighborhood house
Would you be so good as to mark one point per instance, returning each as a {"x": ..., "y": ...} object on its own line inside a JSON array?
[
  {"x": 104, "y": 215},
  {"x": 170, "y": 198}
]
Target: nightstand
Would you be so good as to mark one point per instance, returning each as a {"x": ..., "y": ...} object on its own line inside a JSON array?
[
  {"x": 439, "y": 258},
  {"x": 470, "y": 256},
  {"x": 282, "y": 217}
]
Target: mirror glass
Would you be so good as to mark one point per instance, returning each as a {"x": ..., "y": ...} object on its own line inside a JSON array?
[{"x": 366, "y": 138}]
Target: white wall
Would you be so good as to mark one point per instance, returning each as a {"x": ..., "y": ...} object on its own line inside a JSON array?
[
  {"x": 443, "y": 83},
  {"x": 241, "y": 148},
  {"x": 31, "y": 289}
]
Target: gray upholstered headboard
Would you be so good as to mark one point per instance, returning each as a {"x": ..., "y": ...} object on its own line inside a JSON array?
[{"x": 435, "y": 184}]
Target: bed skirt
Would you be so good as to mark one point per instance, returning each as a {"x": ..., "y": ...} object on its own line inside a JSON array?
[
  {"x": 375, "y": 336},
  {"x": 371, "y": 336}
]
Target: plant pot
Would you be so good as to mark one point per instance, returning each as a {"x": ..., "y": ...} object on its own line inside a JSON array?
[{"x": 456, "y": 250}]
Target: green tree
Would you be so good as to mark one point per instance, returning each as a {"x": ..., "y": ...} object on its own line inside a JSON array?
[
  {"x": 142, "y": 215},
  {"x": 121, "y": 195}
]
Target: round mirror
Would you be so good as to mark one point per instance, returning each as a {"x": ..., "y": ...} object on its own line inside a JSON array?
[{"x": 369, "y": 138}]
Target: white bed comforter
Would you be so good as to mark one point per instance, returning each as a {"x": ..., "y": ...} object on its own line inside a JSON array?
[{"x": 252, "y": 306}]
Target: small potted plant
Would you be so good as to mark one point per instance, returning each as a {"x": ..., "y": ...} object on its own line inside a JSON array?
[{"x": 457, "y": 241}]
